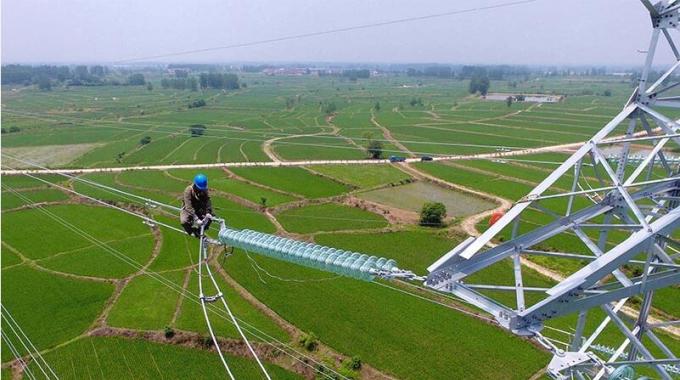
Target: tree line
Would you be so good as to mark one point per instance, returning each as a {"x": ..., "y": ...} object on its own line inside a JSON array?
[
  {"x": 219, "y": 81},
  {"x": 353, "y": 75},
  {"x": 190, "y": 83},
  {"x": 498, "y": 72},
  {"x": 45, "y": 76},
  {"x": 27, "y": 75}
]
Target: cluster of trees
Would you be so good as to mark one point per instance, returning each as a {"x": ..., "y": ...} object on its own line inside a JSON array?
[
  {"x": 44, "y": 84},
  {"x": 190, "y": 83},
  {"x": 136, "y": 80},
  {"x": 255, "y": 68},
  {"x": 292, "y": 101},
  {"x": 374, "y": 148},
  {"x": 308, "y": 341},
  {"x": 219, "y": 81},
  {"x": 181, "y": 73},
  {"x": 145, "y": 140},
  {"x": 329, "y": 108},
  {"x": 479, "y": 84},
  {"x": 494, "y": 72},
  {"x": 24, "y": 74},
  {"x": 353, "y": 75},
  {"x": 416, "y": 102},
  {"x": 197, "y": 130},
  {"x": 433, "y": 214},
  {"x": 594, "y": 71},
  {"x": 467, "y": 72},
  {"x": 197, "y": 103},
  {"x": 432, "y": 71},
  {"x": 194, "y": 66},
  {"x": 46, "y": 75},
  {"x": 12, "y": 129},
  {"x": 20, "y": 74}
]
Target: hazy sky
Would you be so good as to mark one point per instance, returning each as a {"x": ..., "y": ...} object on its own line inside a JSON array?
[{"x": 543, "y": 32}]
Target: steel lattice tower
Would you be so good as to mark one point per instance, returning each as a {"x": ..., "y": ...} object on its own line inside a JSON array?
[{"x": 620, "y": 219}]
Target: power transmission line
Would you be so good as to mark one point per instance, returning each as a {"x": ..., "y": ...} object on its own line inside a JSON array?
[
  {"x": 188, "y": 294},
  {"x": 146, "y": 201},
  {"x": 28, "y": 345},
  {"x": 326, "y": 32},
  {"x": 185, "y": 293}
]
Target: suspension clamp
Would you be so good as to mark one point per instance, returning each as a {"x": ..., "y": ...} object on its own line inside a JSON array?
[
  {"x": 211, "y": 299},
  {"x": 149, "y": 223},
  {"x": 401, "y": 274}
]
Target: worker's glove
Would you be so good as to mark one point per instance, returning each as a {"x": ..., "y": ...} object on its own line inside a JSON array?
[
  {"x": 208, "y": 216},
  {"x": 199, "y": 222}
]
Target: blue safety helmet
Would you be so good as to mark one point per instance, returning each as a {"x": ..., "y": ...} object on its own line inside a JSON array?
[{"x": 201, "y": 181}]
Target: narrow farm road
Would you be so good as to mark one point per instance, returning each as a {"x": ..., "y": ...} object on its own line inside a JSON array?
[
  {"x": 519, "y": 152},
  {"x": 269, "y": 150},
  {"x": 388, "y": 136}
]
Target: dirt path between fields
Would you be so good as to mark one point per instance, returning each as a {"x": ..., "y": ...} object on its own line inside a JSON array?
[
  {"x": 269, "y": 150},
  {"x": 234, "y": 347},
  {"x": 387, "y": 134},
  {"x": 122, "y": 283},
  {"x": 519, "y": 152},
  {"x": 180, "y": 300},
  {"x": 494, "y": 155}
]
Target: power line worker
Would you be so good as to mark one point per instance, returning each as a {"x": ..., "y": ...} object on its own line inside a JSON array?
[{"x": 196, "y": 206}]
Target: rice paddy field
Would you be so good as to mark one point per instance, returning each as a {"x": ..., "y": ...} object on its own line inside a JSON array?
[
  {"x": 412, "y": 196},
  {"x": 102, "y": 126},
  {"x": 103, "y": 295}
]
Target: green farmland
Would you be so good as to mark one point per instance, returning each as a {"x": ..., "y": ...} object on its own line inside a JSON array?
[
  {"x": 103, "y": 126},
  {"x": 102, "y": 294}
]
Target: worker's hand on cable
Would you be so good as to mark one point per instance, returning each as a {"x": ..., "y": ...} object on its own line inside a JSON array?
[
  {"x": 199, "y": 222},
  {"x": 208, "y": 216}
]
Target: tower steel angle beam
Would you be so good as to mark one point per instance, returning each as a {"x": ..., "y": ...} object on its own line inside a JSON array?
[{"x": 631, "y": 220}]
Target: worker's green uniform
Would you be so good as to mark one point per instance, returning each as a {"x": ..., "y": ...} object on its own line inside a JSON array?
[{"x": 195, "y": 205}]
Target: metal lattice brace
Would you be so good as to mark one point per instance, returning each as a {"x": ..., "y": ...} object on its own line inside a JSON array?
[{"x": 638, "y": 197}]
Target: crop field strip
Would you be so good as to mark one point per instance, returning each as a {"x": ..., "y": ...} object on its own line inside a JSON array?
[
  {"x": 249, "y": 188},
  {"x": 343, "y": 148},
  {"x": 260, "y": 334},
  {"x": 469, "y": 147}
]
